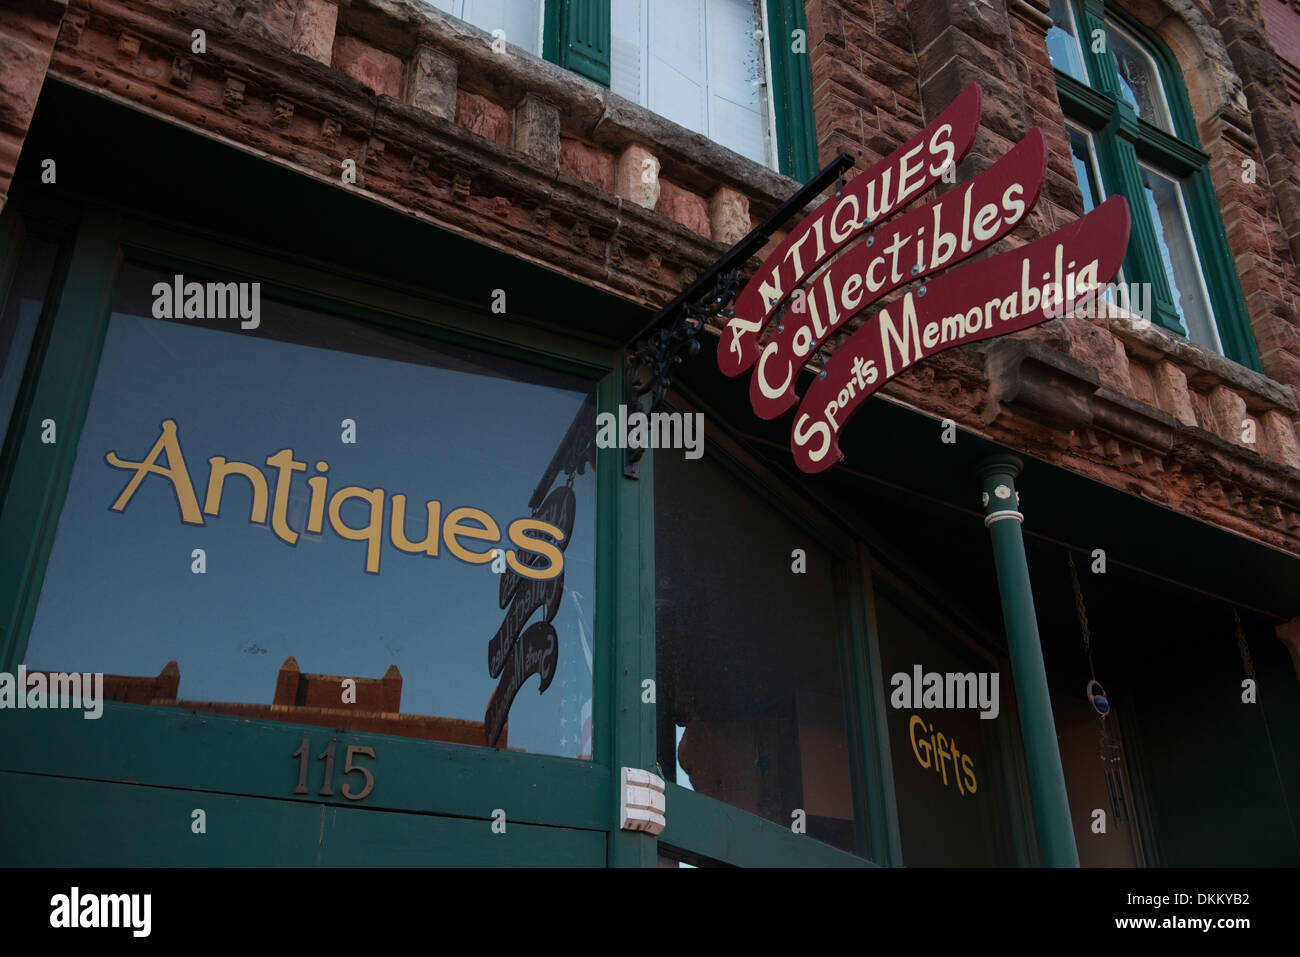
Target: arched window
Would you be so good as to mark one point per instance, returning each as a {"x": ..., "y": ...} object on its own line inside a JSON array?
[{"x": 1132, "y": 132}]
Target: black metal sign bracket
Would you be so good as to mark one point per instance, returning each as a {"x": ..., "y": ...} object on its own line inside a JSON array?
[{"x": 672, "y": 336}]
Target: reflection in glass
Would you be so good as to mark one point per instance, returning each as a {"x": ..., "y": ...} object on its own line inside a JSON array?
[
  {"x": 1084, "y": 158},
  {"x": 22, "y": 313},
  {"x": 748, "y": 687},
  {"x": 1084, "y": 169},
  {"x": 1178, "y": 254},
  {"x": 946, "y": 818},
  {"x": 1139, "y": 78},
  {"x": 1063, "y": 43},
  {"x": 359, "y": 489}
]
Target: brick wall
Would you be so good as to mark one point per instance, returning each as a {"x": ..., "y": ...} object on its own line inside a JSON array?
[
  {"x": 28, "y": 30},
  {"x": 1282, "y": 24},
  {"x": 1122, "y": 396},
  {"x": 520, "y": 154}
]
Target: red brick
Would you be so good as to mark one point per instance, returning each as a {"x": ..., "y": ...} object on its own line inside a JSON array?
[
  {"x": 587, "y": 163},
  {"x": 480, "y": 115},
  {"x": 689, "y": 209},
  {"x": 380, "y": 71}
]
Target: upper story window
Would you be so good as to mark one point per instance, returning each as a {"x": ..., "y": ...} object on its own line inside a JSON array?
[
  {"x": 1063, "y": 42},
  {"x": 698, "y": 63},
  {"x": 704, "y": 64},
  {"x": 520, "y": 20},
  {"x": 1132, "y": 132},
  {"x": 1139, "y": 78}
]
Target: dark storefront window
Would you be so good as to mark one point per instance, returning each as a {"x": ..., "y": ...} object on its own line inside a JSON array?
[
  {"x": 327, "y": 500},
  {"x": 750, "y": 703},
  {"x": 22, "y": 314},
  {"x": 946, "y": 804}
]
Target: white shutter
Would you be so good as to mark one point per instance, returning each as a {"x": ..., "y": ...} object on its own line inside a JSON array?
[
  {"x": 627, "y": 38},
  {"x": 520, "y": 19},
  {"x": 735, "y": 116},
  {"x": 676, "y": 65}
]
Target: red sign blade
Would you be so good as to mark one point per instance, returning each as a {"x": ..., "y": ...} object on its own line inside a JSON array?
[
  {"x": 872, "y": 195},
  {"x": 1073, "y": 263},
  {"x": 958, "y": 225}
]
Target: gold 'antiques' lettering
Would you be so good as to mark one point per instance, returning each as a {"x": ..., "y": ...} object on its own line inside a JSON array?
[
  {"x": 935, "y": 751},
  {"x": 466, "y": 526}
]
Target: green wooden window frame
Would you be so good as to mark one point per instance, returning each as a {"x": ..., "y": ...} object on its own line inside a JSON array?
[
  {"x": 704, "y": 830},
  {"x": 1121, "y": 140},
  {"x": 576, "y": 36},
  {"x": 791, "y": 90},
  {"x": 709, "y": 830},
  {"x": 567, "y": 809}
]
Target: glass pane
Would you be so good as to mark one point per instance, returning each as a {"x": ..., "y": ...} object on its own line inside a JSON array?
[
  {"x": 22, "y": 313},
  {"x": 1084, "y": 158},
  {"x": 1178, "y": 253},
  {"x": 1139, "y": 78},
  {"x": 1063, "y": 43},
  {"x": 946, "y": 815},
  {"x": 702, "y": 65},
  {"x": 735, "y": 72},
  {"x": 1084, "y": 169},
  {"x": 750, "y": 703},
  {"x": 520, "y": 20},
  {"x": 368, "y": 513}
]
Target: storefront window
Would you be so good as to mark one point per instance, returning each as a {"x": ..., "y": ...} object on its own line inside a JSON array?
[
  {"x": 943, "y": 761},
  {"x": 22, "y": 314},
  {"x": 304, "y": 518},
  {"x": 750, "y": 703}
]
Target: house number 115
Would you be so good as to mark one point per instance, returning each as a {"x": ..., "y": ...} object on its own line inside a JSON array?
[{"x": 303, "y": 754}]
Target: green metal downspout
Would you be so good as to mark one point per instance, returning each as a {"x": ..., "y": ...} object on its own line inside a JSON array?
[{"x": 1037, "y": 728}]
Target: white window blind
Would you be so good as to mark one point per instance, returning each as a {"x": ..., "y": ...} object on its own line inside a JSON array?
[
  {"x": 695, "y": 62},
  {"x": 520, "y": 19}
]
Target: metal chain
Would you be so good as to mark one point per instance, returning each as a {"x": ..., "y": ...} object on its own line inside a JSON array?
[
  {"x": 1243, "y": 647},
  {"x": 1083, "y": 615},
  {"x": 1108, "y": 747}
]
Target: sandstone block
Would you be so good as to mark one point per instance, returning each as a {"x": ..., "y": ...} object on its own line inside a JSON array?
[
  {"x": 313, "y": 29},
  {"x": 537, "y": 130},
  {"x": 636, "y": 176},
  {"x": 431, "y": 82},
  {"x": 729, "y": 215}
]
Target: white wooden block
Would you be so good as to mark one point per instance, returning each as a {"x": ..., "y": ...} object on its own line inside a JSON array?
[{"x": 644, "y": 802}]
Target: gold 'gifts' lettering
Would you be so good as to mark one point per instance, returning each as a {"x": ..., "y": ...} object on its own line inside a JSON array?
[{"x": 935, "y": 751}]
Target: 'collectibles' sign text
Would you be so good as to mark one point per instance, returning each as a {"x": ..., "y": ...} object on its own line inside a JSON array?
[
  {"x": 1016, "y": 290},
  {"x": 875, "y": 194},
  {"x": 1006, "y": 293}
]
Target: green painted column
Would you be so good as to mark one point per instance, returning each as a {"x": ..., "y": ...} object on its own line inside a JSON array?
[{"x": 1037, "y": 728}]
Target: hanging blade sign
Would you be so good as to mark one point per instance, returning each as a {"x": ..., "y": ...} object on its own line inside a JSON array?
[
  {"x": 954, "y": 227},
  {"x": 866, "y": 200},
  {"x": 979, "y": 300}
]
